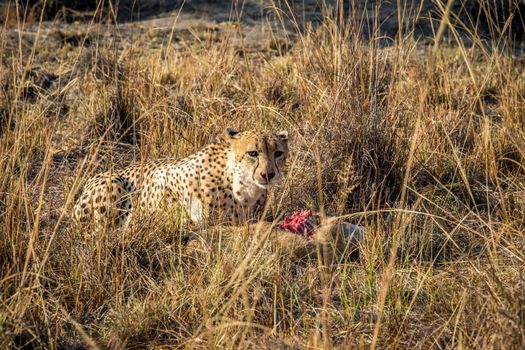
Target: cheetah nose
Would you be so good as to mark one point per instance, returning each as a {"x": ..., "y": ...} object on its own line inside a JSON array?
[{"x": 268, "y": 176}]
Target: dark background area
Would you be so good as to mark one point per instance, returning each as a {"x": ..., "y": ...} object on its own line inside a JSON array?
[{"x": 487, "y": 17}]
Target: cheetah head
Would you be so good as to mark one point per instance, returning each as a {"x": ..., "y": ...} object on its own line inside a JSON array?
[{"x": 257, "y": 157}]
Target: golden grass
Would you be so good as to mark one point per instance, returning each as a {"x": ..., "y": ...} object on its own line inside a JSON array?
[{"x": 424, "y": 147}]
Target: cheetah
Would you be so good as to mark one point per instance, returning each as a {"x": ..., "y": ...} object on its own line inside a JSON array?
[{"x": 225, "y": 182}]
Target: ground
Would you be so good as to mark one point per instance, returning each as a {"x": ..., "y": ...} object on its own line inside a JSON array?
[{"x": 415, "y": 134}]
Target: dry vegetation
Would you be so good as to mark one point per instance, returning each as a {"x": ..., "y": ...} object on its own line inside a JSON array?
[{"x": 422, "y": 145}]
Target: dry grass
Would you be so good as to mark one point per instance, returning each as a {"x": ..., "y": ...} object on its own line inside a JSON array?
[{"x": 425, "y": 147}]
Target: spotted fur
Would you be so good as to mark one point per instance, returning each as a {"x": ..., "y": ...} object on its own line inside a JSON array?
[{"x": 224, "y": 182}]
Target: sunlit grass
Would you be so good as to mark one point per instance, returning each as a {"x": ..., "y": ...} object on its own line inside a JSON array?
[{"x": 422, "y": 146}]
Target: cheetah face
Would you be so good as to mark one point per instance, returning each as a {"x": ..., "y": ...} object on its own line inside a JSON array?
[{"x": 258, "y": 157}]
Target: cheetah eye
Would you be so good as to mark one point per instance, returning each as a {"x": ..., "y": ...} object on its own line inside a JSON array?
[
  {"x": 278, "y": 154},
  {"x": 253, "y": 154}
]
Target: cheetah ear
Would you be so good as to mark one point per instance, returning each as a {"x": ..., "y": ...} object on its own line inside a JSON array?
[
  {"x": 283, "y": 135},
  {"x": 231, "y": 133}
]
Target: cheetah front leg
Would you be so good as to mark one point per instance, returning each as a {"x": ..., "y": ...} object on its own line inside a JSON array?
[{"x": 194, "y": 209}]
